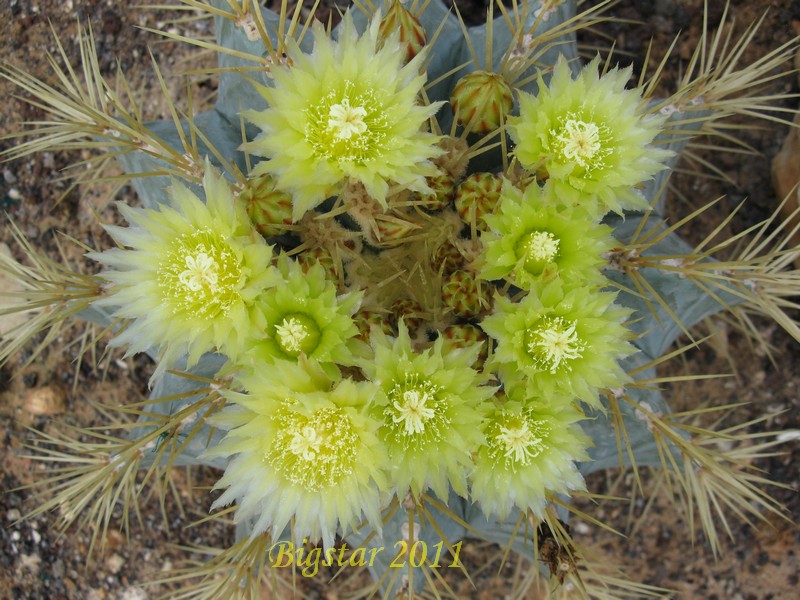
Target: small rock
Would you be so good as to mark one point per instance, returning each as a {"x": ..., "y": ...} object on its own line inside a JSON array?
[
  {"x": 582, "y": 528},
  {"x": 9, "y": 177},
  {"x": 13, "y": 515},
  {"x": 58, "y": 569},
  {"x": 114, "y": 540},
  {"x": 45, "y": 401},
  {"x": 29, "y": 562},
  {"x": 72, "y": 589},
  {"x": 133, "y": 593},
  {"x": 114, "y": 563}
]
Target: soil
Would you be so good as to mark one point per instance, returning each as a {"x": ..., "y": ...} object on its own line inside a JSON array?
[{"x": 36, "y": 562}]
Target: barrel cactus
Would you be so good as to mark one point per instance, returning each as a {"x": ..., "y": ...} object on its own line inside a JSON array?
[{"x": 405, "y": 286}]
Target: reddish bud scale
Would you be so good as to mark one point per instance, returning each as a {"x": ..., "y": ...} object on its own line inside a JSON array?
[
  {"x": 268, "y": 208},
  {"x": 411, "y": 312},
  {"x": 482, "y": 101},
  {"x": 321, "y": 256},
  {"x": 465, "y": 295},
  {"x": 447, "y": 258},
  {"x": 463, "y": 335},
  {"x": 478, "y": 196},
  {"x": 444, "y": 190},
  {"x": 412, "y": 35},
  {"x": 367, "y": 320},
  {"x": 394, "y": 230}
]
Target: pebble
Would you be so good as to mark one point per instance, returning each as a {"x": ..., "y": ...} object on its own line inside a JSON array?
[
  {"x": 30, "y": 562},
  {"x": 581, "y": 528},
  {"x": 9, "y": 177},
  {"x": 133, "y": 593},
  {"x": 114, "y": 563},
  {"x": 44, "y": 401},
  {"x": 13, "y": 515}
]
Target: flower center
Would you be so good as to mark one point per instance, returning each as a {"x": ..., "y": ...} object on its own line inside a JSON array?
[
  {"x": 346, "y": 121},
  {"x": 517, "y": 439},
  {"x": 579, "y": 142},
  {"x": 555, "y": 344},
  {"x": 521, "y": 445},
  {"x": 297, "y": 334},
  {"x": 201, "y": 272},
  {"x": 538, "y": 249},
  {"x": 305, "y": 443},
  {"x": 412, "y": 412},
  {"x": 416, "y": 411},
  {"x": 201, "y": 275},
  {"x": 314, "y": 452},
  {"x": 348, "y": 125}
]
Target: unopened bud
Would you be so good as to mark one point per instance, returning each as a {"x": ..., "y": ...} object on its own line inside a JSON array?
[
  {"x": 411, "y": 32},
  {"x": 482, "y": 101},
  {"x": 478, "y": 196},
  {"x": 268, "y": 208},
  {"x": 465, "y": 294},
  {"x": 443, "y": 186},
  {"x": 464, "y": 335}
]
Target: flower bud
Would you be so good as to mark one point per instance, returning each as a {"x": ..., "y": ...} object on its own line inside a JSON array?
[
  {"x": 482, "y": 100},
  {"x": 444, "y": 188},
  {"x": 464, "y": 335},
  {"x": 319, "y": 256},
  {"x": 367, "y": 320},
  {"x": 411, "y": 32},
  {"x": 447, "y": 258},
  {"x": 391, "y": 230},
  {"x": 411, "y": 312},
  {"x": 465, "y": 295},
  {"x": 478, "y": 196},
  {"x": 268, "y": 208}
]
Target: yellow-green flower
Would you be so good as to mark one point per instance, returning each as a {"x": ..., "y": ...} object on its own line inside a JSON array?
[
  {"x": 565, "y": 339},
  {"x": 305, "y": 317},
  {"x": 432, "y": 411},
  {"x": 530, "y": 450},
  {"x": 303, "y": 450},
  {"x": 589, "y": 135},
  {"x": 533, "y": 237},
  {"x": 190, "y": 276},
  {"x": 347, "y": 111}
]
